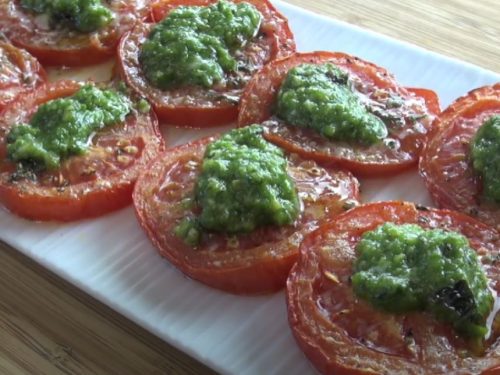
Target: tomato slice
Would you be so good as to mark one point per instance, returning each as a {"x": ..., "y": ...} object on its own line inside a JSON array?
[
  {"x": 445, "y": 163},
  {"x": 342, "y": 334},
  {"x": 19, "y": 72},
  {"x": 63, "y": 47},
  {"x": 248, "y": 263},
  {"x": 195, "y": 106},
  {"x": 374, "y": 85},
  {"x": 84, "y": 186}
]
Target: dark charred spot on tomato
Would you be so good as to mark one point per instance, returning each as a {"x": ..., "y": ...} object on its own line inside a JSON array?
[
  {"x": 473, "y": 211},
  {"x": 423, "y": 220},
  {"x": 245, "y": 66},
  {"x": 88, "y": 172},
  {"x": 24, "y": 171},
  {"x": 408, "y": 337},
  {"x": 391, "y": 143},
  {"x": 408, "y": 332},
  {"x": 349, "y": 204},
  {"x": 420, "y": 207}
]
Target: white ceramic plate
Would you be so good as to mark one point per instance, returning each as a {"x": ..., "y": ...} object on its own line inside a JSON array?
[{"x": 111, "y": 259}]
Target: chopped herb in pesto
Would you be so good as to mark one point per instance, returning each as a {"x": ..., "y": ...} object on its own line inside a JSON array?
[
  {"x": 404, "y": 268},
  {"x": 485, "y": 155},
  {"x": 189, "y": 230},
  {"x": 194, "y": 45},
  {"x": 79, "y": 15},
  {"x": 62, "y": 127},
  {"x": 319, "y": 97},
  {"x": 143, "y": 106},
  {"x": 243, "y": 184}
]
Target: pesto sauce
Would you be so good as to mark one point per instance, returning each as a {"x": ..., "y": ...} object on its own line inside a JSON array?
[
  {"x": 485, "y": 155},
  {"x": 243, "y": 184},
  {"x": 79, "y": 15},
  {"x": 402, "y": 268},
  {"x": 194, "y": 45},
  {"x": 319, "y": 97},
  {"x": 62, "y": 127}
]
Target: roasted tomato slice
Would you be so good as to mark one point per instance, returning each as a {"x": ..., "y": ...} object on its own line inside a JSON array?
[
  {"x": 445, "y": 163},
  {"x": 196, "y": 106},
  {"x": 19, "y": 72},
  {"x": 342, "y": 334},
  {"x": 63, "y": 47},
  {"x": 84, "y": 186},
  {"x": 375, "y": 86},
  {"x": 249, "y": 263}
]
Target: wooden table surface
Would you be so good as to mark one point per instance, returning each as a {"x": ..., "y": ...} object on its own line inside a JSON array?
[{"x": 49, "y": 327}]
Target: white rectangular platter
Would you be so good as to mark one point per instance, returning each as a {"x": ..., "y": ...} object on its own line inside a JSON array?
[{"x": 111, "y": 259}]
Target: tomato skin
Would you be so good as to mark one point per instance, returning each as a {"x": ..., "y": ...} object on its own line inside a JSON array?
[
  {"x": 197, "y": 112},
  {"x": 19, "y": 72},
  {"x": 260, "y": 261},
  {"x": 257, "y": 105},
  {"x": 445, "y": 164},
  {"x": 55, "y": 47},
  {"x": 96, "y": 183},
  {"x": 341, "y": 334}
]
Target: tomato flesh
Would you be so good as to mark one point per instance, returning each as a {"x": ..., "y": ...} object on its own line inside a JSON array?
[
  {"x": 343, "y": 334},
  {"x": 248, "y": 263},
  {"x": 445, "y": 163},
  {"x": 373, "y": 84},
  {"x": 19, "y": 72},
  {"x": 195, "y": 106},
  {"x": 84, "y": 186}
]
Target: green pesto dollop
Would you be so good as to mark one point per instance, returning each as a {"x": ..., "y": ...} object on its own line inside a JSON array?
[
  {"x": 243, "y": 184},
  {"x": 485, "y": 155},
  {"x": 404, "y": 268},
  {"x": 319, "y": 97},
  {"x": 79, "y": 15},
  {"x": 194, "y": 45},
  {"x": 62, "y": 127}
]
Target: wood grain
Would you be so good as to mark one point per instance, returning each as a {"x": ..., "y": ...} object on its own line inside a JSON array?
[
  {"x": 465, "y": 29},
  {"x": 49, "y": 327}
]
